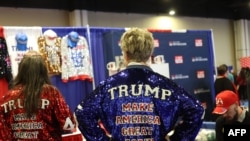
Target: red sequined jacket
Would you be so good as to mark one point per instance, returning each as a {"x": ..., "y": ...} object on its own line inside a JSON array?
[{"x": 52, "y": 119}]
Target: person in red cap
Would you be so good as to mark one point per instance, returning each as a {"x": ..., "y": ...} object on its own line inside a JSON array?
[{"x": 230, "y": 111}]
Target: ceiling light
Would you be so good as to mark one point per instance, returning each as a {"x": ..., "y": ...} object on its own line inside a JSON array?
[{"x": 171, "y": 12}]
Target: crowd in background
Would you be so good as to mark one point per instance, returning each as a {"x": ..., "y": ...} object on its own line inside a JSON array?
[
  {"x": 232, "y": 98},
  {"x": 236, "y": 82}
]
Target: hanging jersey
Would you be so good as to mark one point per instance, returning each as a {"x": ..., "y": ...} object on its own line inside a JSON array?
[
  {"x": 76, "y": 60},
  {"x": 20, "y": 40},
  {"x": 50, "y": 47},
  {"x": 5, "y": 65}
]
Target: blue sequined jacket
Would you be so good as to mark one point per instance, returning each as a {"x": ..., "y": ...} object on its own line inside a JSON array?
[{"x": 138, "y": 104}]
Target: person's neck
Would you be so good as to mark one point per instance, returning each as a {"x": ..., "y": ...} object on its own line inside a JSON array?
[
  {"x": 221, "y": 76},
  {"x": 240, "y": 110},
  {"x": 241, "y": 113},
  {"x": 136, "y": 63}
]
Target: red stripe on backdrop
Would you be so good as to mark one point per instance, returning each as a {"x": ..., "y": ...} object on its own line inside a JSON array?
[
  {"x": 245, "y": 62},
  {"x": 168, "y": 30},
  {"x": 159, "y": 30}
]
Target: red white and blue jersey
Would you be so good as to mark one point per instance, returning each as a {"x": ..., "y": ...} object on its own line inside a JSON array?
[
  {"x": 76, "y": 61},
  {"x": 138, "y": 104}
]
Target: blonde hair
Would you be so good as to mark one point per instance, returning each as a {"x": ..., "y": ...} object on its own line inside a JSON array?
[{"x": 138, "y": 44}]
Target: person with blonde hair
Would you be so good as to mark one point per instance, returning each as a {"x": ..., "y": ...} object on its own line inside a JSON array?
[
  {"x": 33, "y": 108},
  {"x": 138, "y": 103}
]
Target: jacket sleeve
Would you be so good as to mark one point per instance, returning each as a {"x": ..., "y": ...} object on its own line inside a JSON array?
[
  {"x": 192, "y": 114},
  {"x": 87, "y": 115}
]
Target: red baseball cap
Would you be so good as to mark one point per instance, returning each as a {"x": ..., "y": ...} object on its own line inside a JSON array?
[{"x": 224, "y": 100}]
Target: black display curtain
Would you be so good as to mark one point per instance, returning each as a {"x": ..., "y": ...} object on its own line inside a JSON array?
[{"x": 73, "y": 91}]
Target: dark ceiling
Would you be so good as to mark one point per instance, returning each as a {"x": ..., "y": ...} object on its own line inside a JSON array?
[{"x": 225, "y": 9}]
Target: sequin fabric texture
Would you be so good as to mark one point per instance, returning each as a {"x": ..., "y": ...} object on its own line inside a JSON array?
[
  {"x": 52, "y": 119},
  {"x": 5, "y": 65},
  {"x": 51, "y": 54},
  {"x": 76, "y": 61},
  {"x": 138, "y": 104}
]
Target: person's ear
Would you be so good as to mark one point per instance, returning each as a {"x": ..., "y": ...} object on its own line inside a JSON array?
[
  {"x": 125, "y": 56},
  {"x": 126, "y": 59}
]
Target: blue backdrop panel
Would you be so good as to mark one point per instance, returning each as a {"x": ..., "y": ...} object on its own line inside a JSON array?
[
  {"x": 111, "y": 46},
  {"x": 190, "y": 58},
  {"x": 191, "y": 61},
  {"x": 73, "y": 91},
  {"x": 99, "y": 52}
]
